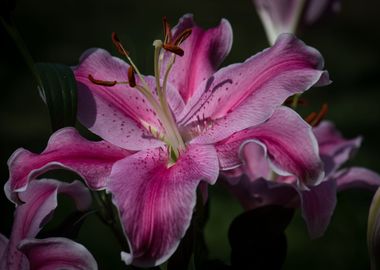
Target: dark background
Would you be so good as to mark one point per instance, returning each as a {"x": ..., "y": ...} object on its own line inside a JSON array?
[{"x": 59, "y": 31}]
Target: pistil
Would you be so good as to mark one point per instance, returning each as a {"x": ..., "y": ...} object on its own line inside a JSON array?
[{"x": 161, "y": 92}]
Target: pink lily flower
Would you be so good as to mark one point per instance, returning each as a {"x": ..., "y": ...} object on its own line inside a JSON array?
[
  {"x": 164, "y": 134},
  {"x": 23, "y": 251},
  {"x": 284, "y": 16},
  {"x": 317, "y": 203}
]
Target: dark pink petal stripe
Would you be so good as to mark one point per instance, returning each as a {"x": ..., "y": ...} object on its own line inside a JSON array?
[
  {"x": 246, "y": 94},
  {"x": 156, "y": 200}
]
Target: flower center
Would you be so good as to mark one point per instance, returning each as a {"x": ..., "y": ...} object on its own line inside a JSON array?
[{"x": 171, "y": 135}]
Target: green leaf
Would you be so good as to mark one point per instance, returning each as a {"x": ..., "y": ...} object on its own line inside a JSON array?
[
  {"x": 373, "y": 231},
  {"x": 59, "y": 91}
]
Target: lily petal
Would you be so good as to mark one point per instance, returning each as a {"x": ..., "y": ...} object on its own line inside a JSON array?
[
  {"x": 244, "y": 95},
  {"x": 333, "y": 148},
  {"x": 57, "y": 253},
  {"x": 357, "y": 177},
  {"x": 279, "y": 138},
  {"x": 254, "y": 156},
  {"x": 317, "y": 206},
  {"x": 119, "y": 114},
  {"x": 204, "y": 52},
  {"x": 65, "y": 149},
  {"x": 316, "y": 8},
  {"x": 39, "y": 201},
  {"x": 156, "y": 201},
  {"x": 279, "y": 16}
]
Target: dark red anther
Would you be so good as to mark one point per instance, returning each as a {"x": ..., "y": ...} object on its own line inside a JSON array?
[
  {"x": 173, "y": 45},
  {"x": 315, "y": 119},
  {"x": 131, "y": 77},
  {"x": 119, "y": 47},
  {"x": 182, "y": 37},
  {"x": 174, "y": 49},
  {"x": 321, "y": 115},
  {"x": 310, "y": 118},
  {"x": 101, "y": 82},
  {"x": 167, "y": 31}
]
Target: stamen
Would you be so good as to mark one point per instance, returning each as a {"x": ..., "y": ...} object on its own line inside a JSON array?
[
  {"x": 131, "y": 77},
  {"x": 167, "y": 31},
  {"x": 101, "y": 82},
  {"x": 310, "y": 118},
  {"x": 321, "y": 115},
  {"x": 182, "y": 37},
  {"x": 121, "y": 50},
  {"x": 174, "y": 49},
  {"x": 173, "y": 45},
  {"x": 119, "y": 47},
  {"x": 315, "y": 119}
]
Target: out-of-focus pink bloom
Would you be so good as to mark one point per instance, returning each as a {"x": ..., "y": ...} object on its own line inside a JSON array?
[
  {"x": 23, "y": 251},
  {"x": 166, "y": 134},
  {"x": 284, "y": 16},
  {"x": 259, "y": 186}
]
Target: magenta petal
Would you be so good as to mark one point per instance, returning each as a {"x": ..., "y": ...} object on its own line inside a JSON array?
[
  {"x": 333, "y": 148},
  {"x": 204, "y": 52},
  {"x": 57, "y": 253},
  {"x": 38, "y": 203},
  {"x": 156, "y": 201},
  {"x": 117, "y": 113},
  {"x": 65, "y": 149},
  {"x": 317, "y": 206},
  {"x": 244, "y": 95},
  {"x": 288, "y": 143},
  {"x": 357, "y": 177},
  {"x": 255, "y": 160}
]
